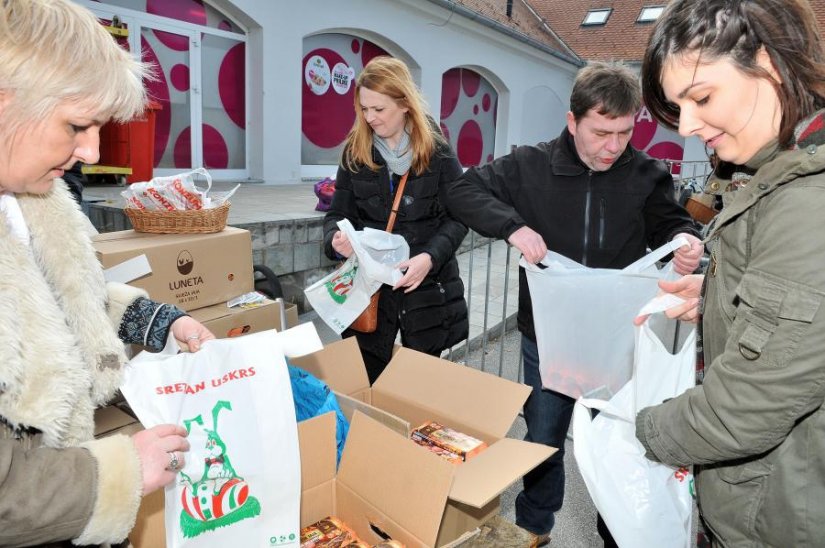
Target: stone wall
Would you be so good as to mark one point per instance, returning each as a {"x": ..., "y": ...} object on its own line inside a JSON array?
[{"x": 291, "y": 248}]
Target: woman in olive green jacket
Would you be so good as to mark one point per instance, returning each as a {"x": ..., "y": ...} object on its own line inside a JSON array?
[{"x": 748, "y": 78}]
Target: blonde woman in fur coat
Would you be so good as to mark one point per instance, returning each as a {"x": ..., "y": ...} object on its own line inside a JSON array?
[{"x": 62, "y": 327}]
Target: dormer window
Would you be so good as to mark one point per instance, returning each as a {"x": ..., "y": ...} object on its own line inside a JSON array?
[
  {"x": 596, "y": 17},
  {"x": 650, "y": 14}
]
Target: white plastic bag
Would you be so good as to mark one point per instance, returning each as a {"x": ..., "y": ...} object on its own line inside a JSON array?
[
  {"x": 241, "y": 485},
  {"x": 342, "y": 295},
  {"x": 378, "y": 252},
  {"x": 643, "y": 503},
  {"x": 583, "y": 320}
]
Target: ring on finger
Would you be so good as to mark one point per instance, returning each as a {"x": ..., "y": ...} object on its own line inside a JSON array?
[
  {"x": 193, "y": 337},
  {"x": 174, "y": 463}
]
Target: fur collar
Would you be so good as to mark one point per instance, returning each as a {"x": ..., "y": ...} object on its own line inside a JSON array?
[{"x": 59, "y": 353}]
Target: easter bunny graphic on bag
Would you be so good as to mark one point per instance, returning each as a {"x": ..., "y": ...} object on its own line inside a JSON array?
[{"x": 221, "y": 496}]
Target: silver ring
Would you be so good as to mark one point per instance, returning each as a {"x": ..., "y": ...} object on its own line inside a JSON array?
[
  {"x": 193, "y": 337},
  {"x": 174, "y": 463}
]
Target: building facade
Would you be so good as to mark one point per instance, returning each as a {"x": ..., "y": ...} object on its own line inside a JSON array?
[{"x": 261, "y": 90}]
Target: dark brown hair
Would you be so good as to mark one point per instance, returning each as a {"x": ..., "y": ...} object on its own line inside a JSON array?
[
  {"x": 737, "y": 30},
  {"x": 612, "y": 89}
]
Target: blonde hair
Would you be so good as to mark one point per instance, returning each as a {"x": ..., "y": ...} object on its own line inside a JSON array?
[
  {"x": 391, "y": 77},
  {"x": 54, "y": 51}
]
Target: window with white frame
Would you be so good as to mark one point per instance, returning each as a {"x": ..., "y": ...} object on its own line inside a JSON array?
[
  {"x": 199, "y": 55},
  {"x": 650, "y": 13},
  {"x": 596, "y": 17}
]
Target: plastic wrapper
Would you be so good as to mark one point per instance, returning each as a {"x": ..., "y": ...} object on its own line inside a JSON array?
[
  {"x": 330, "y": 532},
  {"x": 175, "y": 193}
]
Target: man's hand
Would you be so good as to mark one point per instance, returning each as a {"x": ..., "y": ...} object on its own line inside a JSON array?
[
  {"x": 530, "y": 243},
  {"x": 341, "y": 244},
  {"x": 417, "y": 269},
  {"x": 686, "y": 287},
  {"x": 686, "y": 259}
]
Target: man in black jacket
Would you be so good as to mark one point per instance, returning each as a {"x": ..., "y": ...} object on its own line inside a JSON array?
[{"x": 591, "y": 197}]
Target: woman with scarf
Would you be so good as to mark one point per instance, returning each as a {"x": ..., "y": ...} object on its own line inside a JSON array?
[
  {"x": 394, "y": 138},
  {"x": 748, "y": 78},
  {"x": 62, "y": 328}
]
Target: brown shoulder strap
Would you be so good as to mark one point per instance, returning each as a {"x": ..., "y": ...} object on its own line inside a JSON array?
[{"x": 398, "y": 193}]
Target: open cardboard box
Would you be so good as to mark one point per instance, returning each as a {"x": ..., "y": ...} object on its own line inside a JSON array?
[
  {"x": 318, "y": 453},
  {"x": 417, "y": 387},
  {"x": 111, "y": 420},
  {"x": 233, "y": 322},
  {"x": 384, "y": 487}
]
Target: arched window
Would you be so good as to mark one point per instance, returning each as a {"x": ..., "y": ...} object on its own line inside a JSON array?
[
  {"x": 468, "y": 115},
  {"x": 330, "y": 65}
]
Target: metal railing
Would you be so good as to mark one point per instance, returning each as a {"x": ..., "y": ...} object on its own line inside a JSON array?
[
  {"x": 495, "y": 322},
  {"x": 689, "y": 175}
]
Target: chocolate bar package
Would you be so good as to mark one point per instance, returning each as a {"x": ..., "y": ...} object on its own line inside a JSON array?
[
  {"x": 330, "y": 532},
  {"x": 459, "y": 443},
  {"x": 446, "y": 454}
]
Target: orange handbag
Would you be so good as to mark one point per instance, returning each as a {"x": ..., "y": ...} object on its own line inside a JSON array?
[{"x": 367, "y": 321}]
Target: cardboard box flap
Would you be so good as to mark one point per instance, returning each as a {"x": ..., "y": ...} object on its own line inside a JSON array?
[
  {"x": 319, "y": 450},
  {"x": 121, "y": 235},
  {"x": 111, "y": 418},
  {"x": 410, "y": 485},
  {"x": 485, "y": 476},
  {"x": 367, "y": 520},
  {"x": 350, "y": 405},
  {"x": 211, "y": 313},
  {"x": 339, "y": 364},
  {"x": 477, "y": 402}
]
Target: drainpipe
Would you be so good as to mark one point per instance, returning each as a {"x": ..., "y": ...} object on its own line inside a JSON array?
[{"x": 455, "y": 7}]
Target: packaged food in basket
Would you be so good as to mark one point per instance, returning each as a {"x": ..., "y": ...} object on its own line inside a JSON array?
[
  {"x": 463, "y": 445},
  {"x": 176, "y": 205},
  {"x": 330, "y": 532},
  {"x": 174, "y": 193}
]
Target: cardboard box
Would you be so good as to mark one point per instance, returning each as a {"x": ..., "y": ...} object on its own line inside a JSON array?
[
  {"x": 232, "y": 322},
  {"x": 188, "y": 270},
  {"x": 382, "y": 482},
  {"x": 113, "y": 420},
  {"x": 150, "y": 528},
  {"x": 417, "y": 387}
]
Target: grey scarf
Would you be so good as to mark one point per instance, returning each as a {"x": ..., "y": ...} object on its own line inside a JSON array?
[{"x": 398, "y": 159}]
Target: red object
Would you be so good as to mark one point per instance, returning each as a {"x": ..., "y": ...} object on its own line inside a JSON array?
[{"x": 131, "y": 145}]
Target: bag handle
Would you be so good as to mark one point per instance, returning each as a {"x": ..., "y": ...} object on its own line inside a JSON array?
[
  {"x": 398, "y": 192},
  {"x": 655, "y": 256},
  {"x": 660, "y": 303}
]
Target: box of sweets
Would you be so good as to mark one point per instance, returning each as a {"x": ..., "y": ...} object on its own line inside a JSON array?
[
  {"x": 433, "y": 448},
  {"x": 457, "y": 443}
]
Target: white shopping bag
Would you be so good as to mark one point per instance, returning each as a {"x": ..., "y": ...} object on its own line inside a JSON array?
[
  {"x": 378, "y": 252},
  {"x": 241, "y": 485},
  {"x": 342, "y": 295},
  {"x": 583, "y": 320},
  {"x": 643, "y": 503}
]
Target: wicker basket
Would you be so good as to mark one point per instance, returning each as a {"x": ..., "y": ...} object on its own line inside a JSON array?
[{"x": 189, "y": 221}]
